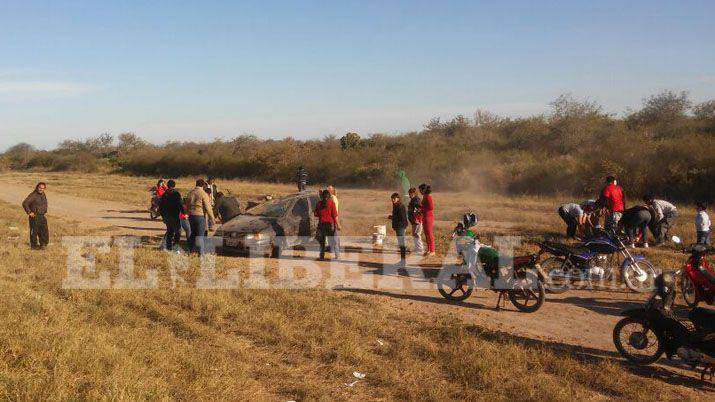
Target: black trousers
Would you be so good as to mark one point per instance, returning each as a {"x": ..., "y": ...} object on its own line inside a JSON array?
[
  {"x": 39, "y": 233},
  {"x": 173, "y": 231}
]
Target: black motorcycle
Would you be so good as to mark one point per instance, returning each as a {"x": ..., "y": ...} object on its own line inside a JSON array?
[
  {"x": 646, "y": 333},
  {"x": 595, "y": 261}
]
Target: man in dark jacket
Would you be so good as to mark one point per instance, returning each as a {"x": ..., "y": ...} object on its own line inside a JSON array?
[
  {"x": 227, "y": 207},
  {"x": 170, "y": 205},
  {"x": 35, "y": 206},
  {"x": 399, "y": 223}
]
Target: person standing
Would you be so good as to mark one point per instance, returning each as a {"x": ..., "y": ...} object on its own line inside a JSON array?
[
  {"x": 399, "y": 224},
  {"x": 665, "y": 214},
  {"x": 328, "y": 224},
  {"x": 702, "y": 224},
  {"x": 170, "y": 207},
  {"x": 427, "y": 210},
  {"x": 301, "y": 178},
  {"x": 35, "y": 206},
  {"x": 613, "y": 199},
  {"x": 334, "y": 197},
  {"x": 199, "y": 208},
  {"x": 414, "y": 215}
]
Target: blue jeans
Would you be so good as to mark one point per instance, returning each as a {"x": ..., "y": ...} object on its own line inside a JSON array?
[
  {"x": 187, "y": 227},
  {"x": 400, "y": 232},
  {"x": 198, "y": 228},
  {"x": 703, "y": 237}
]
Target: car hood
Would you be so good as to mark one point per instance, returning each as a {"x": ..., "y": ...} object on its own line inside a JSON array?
[{"x": 248, "y": 224}]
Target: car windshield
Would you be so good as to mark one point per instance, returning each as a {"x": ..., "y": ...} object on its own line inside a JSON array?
[{"x": 271, "y": 209}]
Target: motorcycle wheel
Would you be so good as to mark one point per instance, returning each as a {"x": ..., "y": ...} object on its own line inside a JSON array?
[
  {"x": 687, "y": 287},
  {"x": 636, "y": 342},
  {"x": 456, "y": 287},
  {"x": 552, "y": 267},
  {"x": 528, "y": 300},
  {"x": 628, "y": 274}
]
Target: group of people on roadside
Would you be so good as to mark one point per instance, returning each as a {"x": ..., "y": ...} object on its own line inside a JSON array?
[
  {"x": 419, "y": 213},
  {"x": 195, "y": 214},
  {"x": 652, "y": 214}
]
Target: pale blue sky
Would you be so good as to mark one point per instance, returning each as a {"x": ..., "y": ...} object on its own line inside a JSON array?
[{"x": 201, "y": 70}]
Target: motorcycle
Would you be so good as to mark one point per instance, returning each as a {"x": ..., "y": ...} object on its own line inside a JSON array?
[
  {"x": 694, "y": 283},
  {"x": 648, "y": 332},
  {"x": 154, "y": 207},
  {"x": 524, "y": 286},
  {"x": 594, "y": 260}
]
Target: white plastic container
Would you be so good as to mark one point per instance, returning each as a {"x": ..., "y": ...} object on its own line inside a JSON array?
[
  {"x": 377, "y": 239},
  {"x": 381, "y": 229}
]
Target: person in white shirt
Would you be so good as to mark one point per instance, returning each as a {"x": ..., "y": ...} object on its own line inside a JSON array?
[
  {"x": 665, "y": 214},
  {"x": 702, "y": 224}
]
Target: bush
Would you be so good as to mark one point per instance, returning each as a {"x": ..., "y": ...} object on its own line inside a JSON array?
[{"x": 658, "y": 149}]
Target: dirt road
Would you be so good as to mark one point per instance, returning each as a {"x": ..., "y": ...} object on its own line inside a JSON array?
[
  {"x": 117, "y": 217},
  {"x": 578, "y": 321}
]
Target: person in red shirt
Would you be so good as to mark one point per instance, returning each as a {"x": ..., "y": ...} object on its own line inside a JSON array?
[
  {"x": 613, "y": 199},
  {"x": 328, "y": 224},
  {"x": 160, "y": 188},
  {"x": 428, "y": 217}
]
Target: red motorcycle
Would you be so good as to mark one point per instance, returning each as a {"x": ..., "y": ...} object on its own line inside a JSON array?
[{"x": 697, "y": 280}]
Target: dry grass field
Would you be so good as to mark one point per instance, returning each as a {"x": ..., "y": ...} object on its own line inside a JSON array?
[{"x": 191, "y": 344}]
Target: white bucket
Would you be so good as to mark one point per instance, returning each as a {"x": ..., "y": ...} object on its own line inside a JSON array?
[
  {"x": 381, "y": 230},
  {"x": 377, "y": 239}
]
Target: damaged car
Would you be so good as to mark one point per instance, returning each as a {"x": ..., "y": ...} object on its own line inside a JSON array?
[{"x": 271, "y": 227}]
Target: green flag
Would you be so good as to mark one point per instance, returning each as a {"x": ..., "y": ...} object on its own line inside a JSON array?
[{"x": 404, "y": 182}]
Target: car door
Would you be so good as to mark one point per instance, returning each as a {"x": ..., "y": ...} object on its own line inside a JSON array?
[
  {"x": 300, "y": 218},
  {"x": 313, "y": 220}
]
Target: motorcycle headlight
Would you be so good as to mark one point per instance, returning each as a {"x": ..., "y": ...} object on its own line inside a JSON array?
[{"x": 254, "y": 236}]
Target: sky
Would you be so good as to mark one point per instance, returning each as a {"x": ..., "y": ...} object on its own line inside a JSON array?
[{"x": 200, "y": 70}]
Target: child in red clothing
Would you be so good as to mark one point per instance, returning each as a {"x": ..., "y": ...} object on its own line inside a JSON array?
[{"x": 428, "y": 217}]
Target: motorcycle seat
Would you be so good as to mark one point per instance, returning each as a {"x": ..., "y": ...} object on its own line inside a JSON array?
[
  {"x": 565, "y": 249},
  {"x": 703, "y": 318}
]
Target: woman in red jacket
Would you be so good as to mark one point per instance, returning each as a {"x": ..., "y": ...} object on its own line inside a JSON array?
[
  {"x": 328, "y": 224},
  {"x": 428, "y": 217}
]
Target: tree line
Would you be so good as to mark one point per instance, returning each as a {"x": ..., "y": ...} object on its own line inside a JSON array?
[{"x": 666, "y": 148}]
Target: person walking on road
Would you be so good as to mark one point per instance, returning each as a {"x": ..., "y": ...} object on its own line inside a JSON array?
[
  {"x": 665, "y": 214},
  {"x": 199, "y": 208},
  {"x": 428, "y": 217},
  {"x": 301, "y": 178},
  {"x": 170, "y": 207},
  {"x": 399, "y": 224},
  {"x": 613, "y": 199},
  {"x": 328, "y": 224},
  {"x": 35, "y": 206},
  {"x": 414, "y": 215},
  {"x": 702, "y": 224}
]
